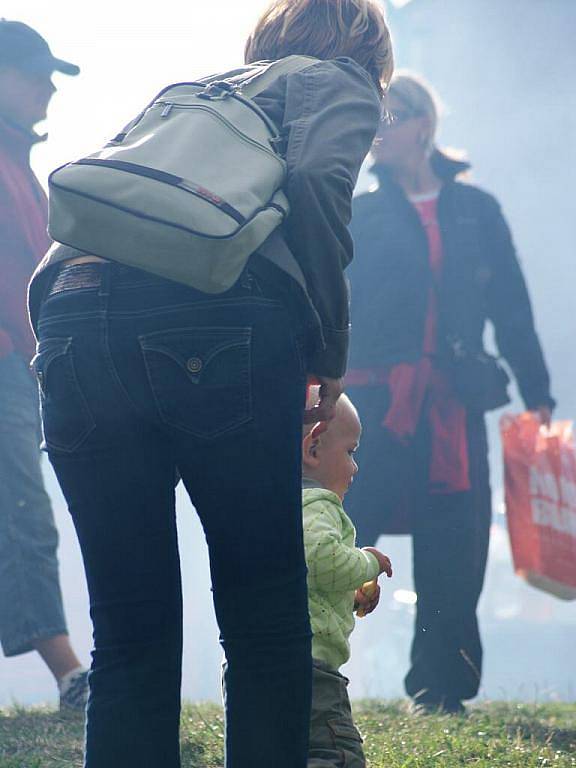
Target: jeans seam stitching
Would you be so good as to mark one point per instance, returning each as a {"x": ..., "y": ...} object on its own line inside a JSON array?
[
  {"x": 109, "y": 361},
  {"x": 69, "y": 351}
]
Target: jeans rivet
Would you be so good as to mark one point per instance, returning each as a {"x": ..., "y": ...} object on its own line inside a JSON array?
[{"x": 194, "y": 364}]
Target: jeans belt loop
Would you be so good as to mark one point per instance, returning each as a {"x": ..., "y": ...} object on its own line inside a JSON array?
[{"x": 105, "y": 279}]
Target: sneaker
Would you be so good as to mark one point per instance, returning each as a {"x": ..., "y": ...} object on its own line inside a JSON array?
[
  {"x": 423, "y": 708},
  {"x": 74, "y": 690},
  {"x": 442, "y": 707},
  {"x": 454, "y": 707}
]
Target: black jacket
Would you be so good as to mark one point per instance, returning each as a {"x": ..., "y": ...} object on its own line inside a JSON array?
[{"x": 482, "y": 280}]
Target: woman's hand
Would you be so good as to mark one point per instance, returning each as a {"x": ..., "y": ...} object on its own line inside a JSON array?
[
  {"x": 544, "y": 413},
  {"x": 330, "y": 391}
]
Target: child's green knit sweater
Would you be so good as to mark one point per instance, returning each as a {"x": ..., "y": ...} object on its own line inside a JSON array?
[{"x": 336, "y": 568}]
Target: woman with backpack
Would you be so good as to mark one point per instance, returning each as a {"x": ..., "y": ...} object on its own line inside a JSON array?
[
  {"x": 434, "y": 262},
  {"x": 143, "y": 376}
]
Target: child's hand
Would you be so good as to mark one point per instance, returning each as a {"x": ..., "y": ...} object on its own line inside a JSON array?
[
  {"x": 366, "y": 598},
  {"x": 383, "y": 561}
]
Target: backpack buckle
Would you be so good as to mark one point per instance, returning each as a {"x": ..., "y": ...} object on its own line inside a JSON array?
[{"x": 218, "y": 91}]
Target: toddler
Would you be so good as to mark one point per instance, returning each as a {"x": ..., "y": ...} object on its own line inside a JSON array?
[{"x": 341, "y": 579}]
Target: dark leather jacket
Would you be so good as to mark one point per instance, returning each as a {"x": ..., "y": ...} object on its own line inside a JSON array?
[{"x": 482, "y": 280}]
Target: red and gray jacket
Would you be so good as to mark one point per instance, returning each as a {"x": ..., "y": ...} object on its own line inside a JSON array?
[{"x": 23, "y": 237}]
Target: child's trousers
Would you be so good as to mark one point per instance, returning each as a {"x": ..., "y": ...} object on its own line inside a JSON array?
[{"x": 334, "y": 739}]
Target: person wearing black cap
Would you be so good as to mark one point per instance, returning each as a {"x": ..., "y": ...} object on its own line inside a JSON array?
[{"x": 31, "y": 610}]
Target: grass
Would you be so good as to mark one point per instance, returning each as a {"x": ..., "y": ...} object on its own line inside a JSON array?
[
  {"x": 508, "y": 735},
  {"x": 495, "y": 735}
]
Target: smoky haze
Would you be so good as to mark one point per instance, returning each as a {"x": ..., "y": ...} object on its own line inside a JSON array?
[{"x": 505, "y": 71}]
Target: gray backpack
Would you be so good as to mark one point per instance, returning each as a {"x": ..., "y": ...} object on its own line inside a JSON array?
[{"x": 189, "y": 189}]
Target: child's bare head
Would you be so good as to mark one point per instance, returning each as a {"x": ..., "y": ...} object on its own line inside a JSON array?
[{"x": 328, "y": 450}]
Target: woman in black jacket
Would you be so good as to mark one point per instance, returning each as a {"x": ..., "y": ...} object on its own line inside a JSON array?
[{"x": 434, "y": 262}]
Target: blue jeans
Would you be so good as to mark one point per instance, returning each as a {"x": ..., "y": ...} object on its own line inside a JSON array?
[
  {"x": 141, "y": 377},
  {"x": 30, "y": 597}
]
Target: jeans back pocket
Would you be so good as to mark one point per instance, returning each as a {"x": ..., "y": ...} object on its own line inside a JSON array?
[
  {"x": 66, "y": 418},
  {"x": 200, "y": 378}
]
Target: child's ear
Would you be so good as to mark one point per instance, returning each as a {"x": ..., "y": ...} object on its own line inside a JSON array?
[{"x": 310, "y": 450}]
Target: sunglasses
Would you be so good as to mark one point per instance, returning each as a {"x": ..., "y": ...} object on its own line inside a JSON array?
[{"x": 394, "y": 117}]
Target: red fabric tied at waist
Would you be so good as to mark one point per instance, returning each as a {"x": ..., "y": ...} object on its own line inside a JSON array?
[
  {"x": 366, "y": 377},
  {"x": 418, "y": 389}
]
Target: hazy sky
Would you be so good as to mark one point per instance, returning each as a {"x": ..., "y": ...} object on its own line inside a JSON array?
[{"x": 127, "y": 52}]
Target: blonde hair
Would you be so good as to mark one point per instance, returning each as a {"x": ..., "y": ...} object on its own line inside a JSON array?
[
  {"x": 419, "y": 97},
  {"x": 325, "y": 29}
]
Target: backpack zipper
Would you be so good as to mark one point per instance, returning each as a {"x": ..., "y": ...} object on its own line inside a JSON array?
[{"x": 168, "y": 106}]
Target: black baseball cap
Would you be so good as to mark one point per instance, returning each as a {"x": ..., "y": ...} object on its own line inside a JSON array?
[{"x": 22, "y": 47}]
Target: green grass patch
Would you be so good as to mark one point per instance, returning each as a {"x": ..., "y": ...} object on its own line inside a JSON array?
[
  {"x": 494, "y": 735},
  {"x": 509, "y": 735}
]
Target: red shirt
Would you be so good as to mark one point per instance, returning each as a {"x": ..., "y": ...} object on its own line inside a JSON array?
[
  {"x": 23, "y": 237},
  {"x": 426, "y": 207},
  {"x": 414, "y": 384}
]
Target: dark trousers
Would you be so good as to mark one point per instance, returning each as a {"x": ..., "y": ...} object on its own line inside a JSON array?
[
  {"x": 140, "y": 376},
  {"x": 450, "y": 535}
]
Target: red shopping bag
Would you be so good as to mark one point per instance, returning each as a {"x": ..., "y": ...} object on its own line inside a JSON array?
[{"x": 540, "y": 493}]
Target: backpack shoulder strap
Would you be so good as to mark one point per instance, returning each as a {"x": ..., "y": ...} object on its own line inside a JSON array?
[{"x": 269, "y": 71}]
